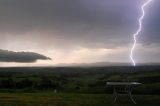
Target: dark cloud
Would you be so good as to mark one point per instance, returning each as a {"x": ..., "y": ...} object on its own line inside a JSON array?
[
  {"x": 76, "y": 21},
  {"x": 63, "y": 26},
  {"x": 151, "y": 32},
  {"x": 87, "y": 23},
  {"x": 22, "y": 57}
]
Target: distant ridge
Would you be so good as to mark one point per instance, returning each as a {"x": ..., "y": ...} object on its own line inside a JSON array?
[{"x": 103, "y": 64}]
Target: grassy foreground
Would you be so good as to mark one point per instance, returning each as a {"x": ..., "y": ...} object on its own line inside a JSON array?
[{"x": 65, "y": 99}]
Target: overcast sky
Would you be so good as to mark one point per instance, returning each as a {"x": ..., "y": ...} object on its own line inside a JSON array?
[{"x": 79, "y": 31}]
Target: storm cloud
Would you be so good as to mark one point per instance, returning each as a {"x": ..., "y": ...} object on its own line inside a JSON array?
[
  {"x": 61, "y": 28},
  {"x": 22, "y": 57},
  {"x": 83, "y": 22}
]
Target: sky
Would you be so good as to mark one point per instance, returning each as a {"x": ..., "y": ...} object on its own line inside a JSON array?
[{"x": 51, "y": 32}]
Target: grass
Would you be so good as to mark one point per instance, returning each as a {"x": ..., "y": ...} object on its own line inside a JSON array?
[
  {"x": 86, "y": 78},
  {"x": 79, "y": 90},
  {"x": 68, "y": 99},
  {"x": 21, "y": 78}
]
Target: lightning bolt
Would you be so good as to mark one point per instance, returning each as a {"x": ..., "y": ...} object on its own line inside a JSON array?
[{"x": 138, "y": 31}]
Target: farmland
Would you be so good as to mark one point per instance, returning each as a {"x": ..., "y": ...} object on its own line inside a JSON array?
[{"x": 76, "y": 86}]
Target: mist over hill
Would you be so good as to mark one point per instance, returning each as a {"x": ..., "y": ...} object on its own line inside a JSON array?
[{"x": 104, "y": 64}]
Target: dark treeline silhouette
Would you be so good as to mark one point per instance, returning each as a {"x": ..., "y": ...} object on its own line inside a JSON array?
[{"x": 44, "y": 83}]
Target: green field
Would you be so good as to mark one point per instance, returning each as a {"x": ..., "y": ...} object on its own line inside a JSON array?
[
  {"x": 64, "y": 99},
  {"x": 76, "y": 86}
]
